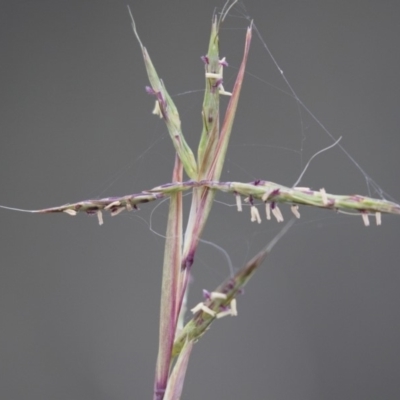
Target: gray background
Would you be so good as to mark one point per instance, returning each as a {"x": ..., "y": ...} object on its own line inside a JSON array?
[{"x": 79, "y": 303}]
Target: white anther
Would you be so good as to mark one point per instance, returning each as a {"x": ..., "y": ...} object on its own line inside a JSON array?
[
  {"x": 204, "y": 308},
  {"x": 157, "y": 110},
  {"x": 268, "y": 210},
  {"x": 365, "y": 219},
  {"x": 378, "y": 218},
  {"x": 217, "y": 295},
  {"x": 100, "y": 217},
  {"x": 233, "y": 308},
  {"x": 238, "y": 202},
  {"x": 295, "y": 210},
  {"x": 223, "y": 314},
  {"x": 196, "y": 308},
  {"x": 266, "y": 195},
  {"x": 212, "y": 75},
  {"x": 117, "y": 211},
  {"x": 113, "y": 204},
  {"x": 324, "y": 197},
  {"x": 223, "y": 92},
  {"x": 277, "y": 214},
  {"x": 255, "y": 215},
  {"x": 207, "y": 310},
  {"x": 70, "y": 212}
]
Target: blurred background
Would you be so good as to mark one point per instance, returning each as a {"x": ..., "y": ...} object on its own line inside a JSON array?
[{"x": 79, "y": 303}]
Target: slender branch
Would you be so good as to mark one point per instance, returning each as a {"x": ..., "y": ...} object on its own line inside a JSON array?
[{"x": 268, "y": 192}]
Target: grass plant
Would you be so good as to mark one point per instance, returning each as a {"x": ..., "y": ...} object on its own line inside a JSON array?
[{"x": 200, "y": 172}]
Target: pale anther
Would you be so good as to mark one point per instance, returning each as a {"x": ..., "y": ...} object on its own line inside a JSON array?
[
  {"x": 365, "y": 219},
  {"x": 204, "y": 308},
  {"x": 100, "y": 217},
  {"x": 255, "y": 215},
  {"x": 233, "y": 308},
  {"x": 207, "y": 310},
  {"x": 223, "y": 92},
  {"x": 265, "y": 196},
  {"x": 217, "y": 295},
  {"x": 224, "y": 313},
  {"x": 212, "y": 75},
  {"x": 238, "y": 202},
  {"x": 295, "y": 210},
  {"x": 197, "y": 308},
  {"x": 277, "y": 214},
  {"x": 117, "y": 211},
  {"x": 157, "y": 110},
  {"x": 268, "y": 210},
  {"x": 70, "y": 212},
  {"x": 378, "y": 218},
  {"x": 113, "y": 204},
  {"x": 324, "y": 197}
]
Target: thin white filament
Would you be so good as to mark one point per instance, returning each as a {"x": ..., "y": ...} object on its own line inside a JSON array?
[{"x": 315, "y": 155}]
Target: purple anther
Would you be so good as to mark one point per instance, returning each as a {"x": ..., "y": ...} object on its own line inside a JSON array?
[
  {"x": 257, "y": 182},
  {"x": 151, "y": 91},
  {"x": 92, "y": 211},
  {"x": 230, "y": 285},
  {"x": 161, "y": 101},
  {"x": 205, "y": 60},
  {"x": 357, "y": 198},
  {"x": 217, "y": 83},
  {"x": 206, "y": 294},
  {"x": 223, "y": 62},
  {"x": 275, "y": 192}
]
